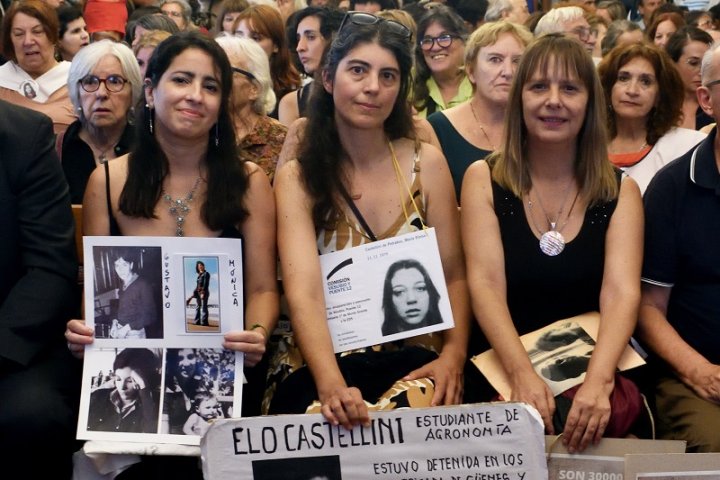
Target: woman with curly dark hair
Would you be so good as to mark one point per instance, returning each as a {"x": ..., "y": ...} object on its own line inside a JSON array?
[
  {"x": 440, "y": 80},
  {"x": 644, "y": 97}
]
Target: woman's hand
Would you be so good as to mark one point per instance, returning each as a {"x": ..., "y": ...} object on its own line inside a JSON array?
[
  {"x": 137, "y": 380},
  {"x": 78, "y": 335},
  {"x": 530, "y": 388},
  {"x": 250, "y": 342},
  {"x": 589, "y": 415},
  {"x": 447, "y": 374},
  {"x": 344, "y": 406}
]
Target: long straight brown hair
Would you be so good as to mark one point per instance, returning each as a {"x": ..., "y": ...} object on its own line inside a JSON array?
[{"x": 593, "y": 171}]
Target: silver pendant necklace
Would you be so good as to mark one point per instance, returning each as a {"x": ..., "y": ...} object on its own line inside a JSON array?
[
  {"x": 179, "y": 208},
  {"x": 552, "y": 242}
]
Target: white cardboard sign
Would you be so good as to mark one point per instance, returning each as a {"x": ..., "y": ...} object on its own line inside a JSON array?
[{"x": 498, "y": 441}]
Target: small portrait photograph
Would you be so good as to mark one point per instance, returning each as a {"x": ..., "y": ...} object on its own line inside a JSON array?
[
  {"x": 410, "y": 299},
  {"x": 128, "y": 292},
  {"x": 202, "y": 295},
  {"x": 199, "y": 389},
  {"x": 28, "y": 90},
  {"x": 306, "y": 468},
  {"x": 125, "y": 392}
]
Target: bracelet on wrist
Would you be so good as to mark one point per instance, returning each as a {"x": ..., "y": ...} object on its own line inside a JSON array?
[{"x": 265, "y": 331}]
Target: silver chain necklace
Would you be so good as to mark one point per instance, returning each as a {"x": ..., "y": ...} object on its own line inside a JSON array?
[
  {"x": 179, "y": 208},
  {"x": 552, "y": 242}
]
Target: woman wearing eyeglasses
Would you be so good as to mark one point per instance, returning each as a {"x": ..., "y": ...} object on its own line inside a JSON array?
[
  {"x": 360, "y": 150},
  {"x": 474, "y": 129},
  {"x": 104, "y": 83},
  {"x": 686, "y": 47},
  {"x": 260, "y": 137},
  {"x": 440, "y": 80}
]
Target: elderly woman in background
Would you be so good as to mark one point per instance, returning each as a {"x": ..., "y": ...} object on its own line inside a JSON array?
[
  {"x": 644, "y": 96},
  {"x": 309, "y": 31},
  {"x": 32, "y": 78},
  {"x": 229, "y": 11},
  {"x": 263, "y": 24},
  {"x": 144, "y": 48},
  {"x": 137, "y": 28},
  {"x": 260, "y": 138},
  {"x": 663, "y": 26},
  {"x": 180, "y": 12},
  {"x": 621, "y": 32},
  {"x": 686, "y": 47},
  {"x": 440, "y": 80},
  {"x": 104, "y": 83},
  {"x": 474, "y": 129},
  {"x": 73, "y": 31}
]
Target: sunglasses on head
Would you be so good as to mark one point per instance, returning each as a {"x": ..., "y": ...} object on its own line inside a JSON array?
[{"x": 363, "y": 18}]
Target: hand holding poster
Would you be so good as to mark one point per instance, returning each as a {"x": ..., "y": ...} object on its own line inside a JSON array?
[
  {"x": 385, "y": 291},
  {"x": 559, "y": 353},
  {"x": 499, "y": 441},
  {"x": 156, "y": 371}
]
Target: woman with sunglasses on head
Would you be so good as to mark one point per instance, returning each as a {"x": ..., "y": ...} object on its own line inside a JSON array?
[
  {"x": 440, "y": 80},
  {"x": 551, "y": 231},
  {"x": 186, "y": 154},
  {"x": 104, "y": 83},
  {"x": 686, "y": 47},
  {"x": 360, "y": 150}
]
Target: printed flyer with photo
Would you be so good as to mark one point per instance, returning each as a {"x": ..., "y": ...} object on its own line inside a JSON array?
[
  {"x": 385, "y": 291},
  {"x": 156, "y": 371}
]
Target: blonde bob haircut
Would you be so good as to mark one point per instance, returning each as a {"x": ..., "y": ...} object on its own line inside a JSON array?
[
  {"x": 594, "y": 173},
  {"x": 488, "y": 34}
]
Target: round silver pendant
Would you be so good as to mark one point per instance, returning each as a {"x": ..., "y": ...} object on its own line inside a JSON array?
[{"x": 552, "y": 243}]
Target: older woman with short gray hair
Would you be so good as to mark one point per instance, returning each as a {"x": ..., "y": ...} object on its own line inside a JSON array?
[
  {"x": 104, "y": 83},
  {"x": 260, "y": 137}
]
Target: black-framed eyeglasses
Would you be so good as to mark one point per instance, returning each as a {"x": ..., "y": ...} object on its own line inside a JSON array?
[
  {"x": 364, "y": 18},
  {"x": 249, "y": 75},
  {"x": 113, "y": 83},
  {"x": 711, "y": 83},
  {"x": 443, "y": 41}
]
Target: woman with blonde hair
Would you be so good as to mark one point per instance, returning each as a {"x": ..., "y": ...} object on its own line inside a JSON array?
[
  {"x": 552, "y": 231},
  {"x": 474, "y": 129}
]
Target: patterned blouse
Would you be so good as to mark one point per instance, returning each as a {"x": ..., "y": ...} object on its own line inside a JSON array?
[{"x": 263, "y": 144}]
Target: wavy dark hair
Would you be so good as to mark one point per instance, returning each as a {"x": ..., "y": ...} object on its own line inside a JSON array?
[
  {"x": 227, "y": 179},
  {"x": 143, "y": 361},
  {"x": 667, "y": 112},
  {"x": 330, "y": 19},
  {"x": 393, "y": 322},
  {"x": 452, "y": 23},
  {"x": 320, "y": 152}
]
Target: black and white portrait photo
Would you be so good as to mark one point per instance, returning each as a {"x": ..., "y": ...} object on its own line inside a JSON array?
[
  {"x": 562, "y": 354},
  {"x": 410, "y": 299},
  {"x": 127, "y": 284},
  {"x": 125, "y": 392},
  {"x": 306, "y": 468}
]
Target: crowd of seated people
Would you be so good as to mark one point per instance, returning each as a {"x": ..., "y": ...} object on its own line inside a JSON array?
[{"x": 578, "y": 137}]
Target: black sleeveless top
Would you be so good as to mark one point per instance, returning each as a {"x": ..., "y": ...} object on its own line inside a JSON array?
[
  {"x": 542, "y": 289},
  {"x": 227, "y": 232}
]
